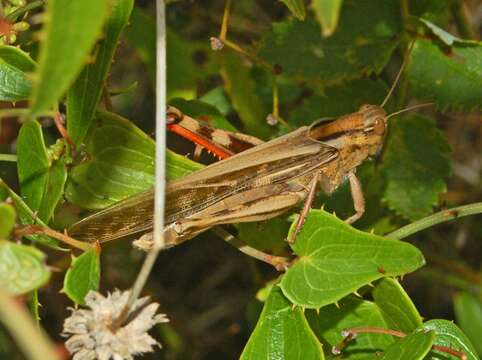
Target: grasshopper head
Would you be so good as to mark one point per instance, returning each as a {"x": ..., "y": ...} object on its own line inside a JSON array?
[{"x": 374, "y": 119}]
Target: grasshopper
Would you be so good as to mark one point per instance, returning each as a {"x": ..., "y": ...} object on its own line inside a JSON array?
[{"x": 253, "y": 185}]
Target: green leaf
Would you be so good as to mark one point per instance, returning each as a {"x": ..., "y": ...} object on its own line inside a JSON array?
[
  {"x": 22, "y": 268},
  {"x": 451, "y": 80},
  {"x": 14, "y": 66},
  {"x": 336, "y": 260},
  {"x": 241, "y": 88},
  {"x": 7, "y": 219},
  {"x": 41, "y": 181},
  {"x": 331, "y": 320},
  {"x": 218, "y": 98},
  {"x": 70, "y": 31},
  {"x": 339, "y": 100},
  {"x": 397, "y": 309},
  {"x": 267, "y": 236},
  {"x": 32, "y": 164},
  {"x": 297, "y": 8},
  {"x": 368, "y": 32},
  {"x": 183, "y": 69},
  {"x": 413, "y": 346},
  {"x": 121, "y": 164},
  {"x": 82, "y": 276},
  {"x": 415, "y": 178},
  {"x": 54, "y": 189},
  {"x": 28, "y": 217},
  {"x": 327, "y": 13},
  {"x": 443, "y": 35},
  {"x": 449, "y": 335},
  {"x": 468, "y": 312},
  {"x": 178, "y": 165},
  {"x": 84, "y": 95},
  {"x": 141, "y": 33},
  {"x": 282, "y": 333}
]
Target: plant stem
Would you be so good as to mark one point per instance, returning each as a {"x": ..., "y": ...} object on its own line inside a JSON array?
[
  {"x": 13, "y": 16},
  {"x": 437, "y": 218},
  {"x": 38, "y": 229},
  {"x": 8, "y": 157},
  {"x": 463, "y": 23},
  {"x": 159, "y": 202},
  {"x": 31, "y": 340},
  {"x": 224, "y": 25}
]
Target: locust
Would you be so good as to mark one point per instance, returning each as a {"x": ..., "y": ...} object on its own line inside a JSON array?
[{"x": 256, "y": 184}]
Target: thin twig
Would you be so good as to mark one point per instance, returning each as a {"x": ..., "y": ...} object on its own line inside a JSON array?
[
  {"x": 160, "y": 168},
  {"x": 66, "y": 239},
  {"x": 33, "y": 341},
  {"x": 224, "y": 25},
  {"x": 8, "y": 157},
  {"x": 437, "y": 218}
]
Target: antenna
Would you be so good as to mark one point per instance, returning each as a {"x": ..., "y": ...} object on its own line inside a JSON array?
[
  {"x": 410, "y": 108},
  {"x": 397, "y": 78}
]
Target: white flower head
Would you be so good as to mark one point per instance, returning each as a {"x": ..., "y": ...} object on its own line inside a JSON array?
[{"x": 93, "y": 335}]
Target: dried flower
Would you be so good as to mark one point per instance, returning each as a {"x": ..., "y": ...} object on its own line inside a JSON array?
[
  {"x": 91, "y": 331},
  {"x": 216, "y": 43}
]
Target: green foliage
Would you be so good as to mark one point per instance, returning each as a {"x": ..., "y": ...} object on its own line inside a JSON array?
[
  {"x": 327, "y": 12},
  {"x": 121, "y": 163},
  {"x": 297, "y": 8},
  {"x": 82, "y": 276},
  {"x": 414, "y": 346},
  {"x": 367, "y": 35},
  {"x": 282, "y": 332},
  {"x": 415, "y": 178},
  {"x": 65, "y": 49},
  {"x": 41, "y": 179},
  {"x": 449, "y": 335},
  {"x": 335, "y": 260},
  {"x": 27, "y": 216},
  {"x": 141, "y": 34},
  {"x": 339, "y": 100},
  {"x": 396, "y": 307},
  {"x": 15, "y": 65},
  {"x": 450, "y": 80},
  {"x": 7, "y": 219},
  {"x": 85, "y": 93},
  {"x": 468, "y": 312},
  {"x": 301, "y": 61},
  {"x": 241, "y": 89},
  {"x": 351, "y": 312},
  {"x": 23, "y": 268}
]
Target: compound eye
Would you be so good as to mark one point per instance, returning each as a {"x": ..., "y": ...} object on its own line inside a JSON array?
[{"x": 379, "y": 126}]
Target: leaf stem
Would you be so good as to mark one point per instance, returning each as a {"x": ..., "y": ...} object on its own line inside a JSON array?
[
  {"x": 38, "y": 229},
  {"x": 33, "y": 341},
  {"x": 253, "y": 57},
  {"x": 437, "y": 218},
  {"x": 159, "y": 241},
  {"x": 224, "y": 26},
  {"x": 8, "y": 157}
]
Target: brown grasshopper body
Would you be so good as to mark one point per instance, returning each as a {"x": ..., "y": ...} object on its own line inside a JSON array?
[{"x": 256, "y": 184}]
